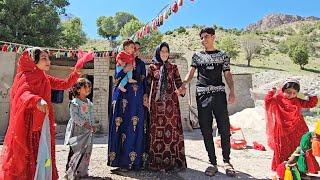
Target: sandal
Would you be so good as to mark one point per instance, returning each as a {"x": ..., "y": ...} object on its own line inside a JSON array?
[
  {"x": 211, "y": 170},
  {"x": 229, "y": 170}
]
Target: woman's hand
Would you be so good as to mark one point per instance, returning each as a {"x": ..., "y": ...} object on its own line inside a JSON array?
[
  {"x": 181, "y": 91},
  {"x": 43, "y": 106}
]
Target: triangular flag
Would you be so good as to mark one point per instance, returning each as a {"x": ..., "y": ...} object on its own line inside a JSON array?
[
  {"x": 175, "y": 7},
  {"x": 180, "y": 2}
]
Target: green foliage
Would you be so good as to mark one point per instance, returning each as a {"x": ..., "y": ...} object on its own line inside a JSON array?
[
  {"x": 181, "y": 30},
  {"x": 294, "y": 41},
  {"x": 130, "y": 28},
  {"x": 150, "y": 42},
  {"x": 299, "y": 55},
  {"x": 317, "y": 25},
  {"x": 266, "y": 51},
  {"x": 31, "y": 22},
  {"x": 72, "y": 34},
  {"x": 283, "y": 47},
  {"x": 107, "y": 27},
  {"x": 168, "y": 32},
  {"x": 110, "y": 26},
  {"x": 229, "y": 45},
  {"x": 306, "y": 29}
]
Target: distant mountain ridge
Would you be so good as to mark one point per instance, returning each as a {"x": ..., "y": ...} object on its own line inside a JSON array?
[{"x": 275, "y": 20}]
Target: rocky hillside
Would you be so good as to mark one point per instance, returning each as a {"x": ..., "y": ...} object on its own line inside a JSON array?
[{"x": 275, "y": 20}]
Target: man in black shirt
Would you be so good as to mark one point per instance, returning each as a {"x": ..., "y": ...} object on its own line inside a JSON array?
[{"x": 211, "y": 97}]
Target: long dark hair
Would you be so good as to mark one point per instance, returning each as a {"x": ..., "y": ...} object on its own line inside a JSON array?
[{"x": 81, "y": 82}]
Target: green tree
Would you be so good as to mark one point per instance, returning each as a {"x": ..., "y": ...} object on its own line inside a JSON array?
[
  {"x": 251, "y": 45},
  {"x": 181, "y": 29},
  {"x": 31, "y": 22},
  {"x": 72, "y": 34},
  {"x": 293, "y": 41},
  {"x": 150, "y": 42},
  {"x": 130, "y": 28},
  {"x": 110, "y": 26},
  {"x": 107, "y": 27},
  {"x": 229, "y": 45},
  {"x": 299, "y": 55}
]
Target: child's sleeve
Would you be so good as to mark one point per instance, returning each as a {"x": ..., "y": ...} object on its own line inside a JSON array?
[
  {"x": 312, "y": 102},
  {"x": 62, "y": 84},
  {"x": 75, "y": 114}
]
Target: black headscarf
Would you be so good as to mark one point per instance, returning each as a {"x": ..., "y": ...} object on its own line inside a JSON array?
[{"x": 163, "y": 81}]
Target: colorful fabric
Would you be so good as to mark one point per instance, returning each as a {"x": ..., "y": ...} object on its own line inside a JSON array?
[
  {"x": 312, "y": 164},
  {"x": 285, "y": 124},
  {"x": 288, "y": 174},
  {"x": 166, "y": 134},
  {"x": 295, "y": 173},
  {"x": 317, "y": 129},
  {"x": 316, "y": 146},
  {"x": 21, "y": 143}
]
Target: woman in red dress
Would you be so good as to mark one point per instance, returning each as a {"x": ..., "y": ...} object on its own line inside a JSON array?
[
  {"x": 30, "y": 100},
  {"x": 285, "y": 123},
  {"x": 166, "y": 144}
]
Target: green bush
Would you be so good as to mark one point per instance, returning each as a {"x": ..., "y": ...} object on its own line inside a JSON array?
[
  {"x": 168, "y": 33},
  {"x": 181, "y": 30},
  {"x": 299, "y": 55}
]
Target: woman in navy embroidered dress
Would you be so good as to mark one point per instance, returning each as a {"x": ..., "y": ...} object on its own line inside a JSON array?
[{"x": 127, "y": 128}]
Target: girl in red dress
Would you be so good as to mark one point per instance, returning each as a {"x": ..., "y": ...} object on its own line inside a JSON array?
[{"x": 285, "y": 123}]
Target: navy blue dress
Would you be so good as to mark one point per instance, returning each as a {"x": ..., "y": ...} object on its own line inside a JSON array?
[{"x": 127, "y": 124}]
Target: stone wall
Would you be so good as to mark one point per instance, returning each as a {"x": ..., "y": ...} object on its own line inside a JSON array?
[
  {"x": 101, "y": 92},
  {"x": 7, "y": 71}
]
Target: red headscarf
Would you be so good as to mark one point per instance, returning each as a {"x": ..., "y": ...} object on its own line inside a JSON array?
[
  {"x": 18, "y": 159},
  {"x": 29, "y": 86}
]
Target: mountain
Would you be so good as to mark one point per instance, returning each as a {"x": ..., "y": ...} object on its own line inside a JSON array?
[{"x": 275, "y": 20}]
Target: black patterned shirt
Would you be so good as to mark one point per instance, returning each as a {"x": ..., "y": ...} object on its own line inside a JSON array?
[{"x": 210, "y": 65}]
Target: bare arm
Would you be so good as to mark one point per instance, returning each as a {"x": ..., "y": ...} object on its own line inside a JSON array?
[
  {"x": 229, "y": 80},
  {"x": 189, "y": 76}
]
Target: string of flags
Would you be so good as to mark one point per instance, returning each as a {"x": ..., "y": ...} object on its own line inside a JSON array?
[
  {"x": 159, "y": 20},
  {"x": 151, "y": 26},
  {"x": 53, "y": 52}
]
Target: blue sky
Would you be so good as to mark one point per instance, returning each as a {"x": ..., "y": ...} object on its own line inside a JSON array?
[{"x": 226, "y": 13}]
